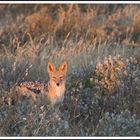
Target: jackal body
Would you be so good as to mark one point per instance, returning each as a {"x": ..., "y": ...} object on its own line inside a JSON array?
[{"x": 54, "y": 89}]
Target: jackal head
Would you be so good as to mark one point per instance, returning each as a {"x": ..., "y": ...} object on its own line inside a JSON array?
[{"x": 57, "y": 75}]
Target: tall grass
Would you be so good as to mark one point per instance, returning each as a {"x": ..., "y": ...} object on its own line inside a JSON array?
[{"x": 101, "y": 45}]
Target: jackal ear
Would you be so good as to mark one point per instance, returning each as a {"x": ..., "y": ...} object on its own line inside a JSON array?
[
  {"x": 51, "y": 67},
  {"x": 63, "y": 67}
]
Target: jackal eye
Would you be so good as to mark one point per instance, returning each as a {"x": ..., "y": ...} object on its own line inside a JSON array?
[
  {"x": 54, "y": 78},
  {"x": 61, "y": 77}
]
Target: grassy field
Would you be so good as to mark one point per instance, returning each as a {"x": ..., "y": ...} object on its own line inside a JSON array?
[{"x": 101, "y": 44}]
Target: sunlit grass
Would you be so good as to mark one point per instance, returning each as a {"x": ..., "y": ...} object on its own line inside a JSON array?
[{"x": 101, "y": 46}]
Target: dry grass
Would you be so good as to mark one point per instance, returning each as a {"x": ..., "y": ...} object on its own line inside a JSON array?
[{"x": 101, "y": 45}]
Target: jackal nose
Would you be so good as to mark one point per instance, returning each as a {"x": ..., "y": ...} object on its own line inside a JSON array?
[{"x": 57, "y": 84}]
